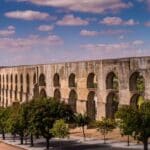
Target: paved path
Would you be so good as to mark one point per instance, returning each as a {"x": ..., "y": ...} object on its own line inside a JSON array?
[{"x": 4, "y": 146}]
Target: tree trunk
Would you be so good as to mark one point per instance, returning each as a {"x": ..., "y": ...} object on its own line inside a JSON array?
[
  {"x": 84, "y": 136},
  {"x": 104, "y": 138},
  {"x": 145, "y": 142},
  {"x": 3, "y": 135},
  {"x": 31, "y": 140},
  {"x": 21, "y": 139},
  {"x": 47, "y": 143},
  {"x": 128, "y": 140}
]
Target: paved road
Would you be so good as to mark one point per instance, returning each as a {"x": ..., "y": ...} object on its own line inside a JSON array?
[{"x": 8, "y": 147}]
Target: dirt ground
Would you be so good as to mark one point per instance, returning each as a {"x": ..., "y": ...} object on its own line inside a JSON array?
[
  {"x": 93, "y": 133},
  {"x": 4, "y": 146}
]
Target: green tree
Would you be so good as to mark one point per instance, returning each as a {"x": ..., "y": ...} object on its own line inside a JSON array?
[
  {"x": 82, "y": 120},
  {"x": 60, "y": 129},
  {"x": 137, "y": 120},
  {"x": 104, "y": 126},
  {"x": 4, "y": 114},
  {"x": 44, "y": 114}
]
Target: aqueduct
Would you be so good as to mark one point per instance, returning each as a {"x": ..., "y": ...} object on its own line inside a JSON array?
[{"x": 95, "y": 87}]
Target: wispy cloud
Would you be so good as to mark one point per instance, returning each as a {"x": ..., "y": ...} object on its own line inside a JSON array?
[
  {"x": 147, "y": 23},
  {"x": 91, "y": 33},
  {"x": 118, "y": 21},
  {"x": 27, "y": 15},
  {"x": 92, "y": 6},
  {"x": 30, "y": 42},
  {"x": 71, "y": 20},
  {"x": 45, "y": 28},
  {"x": 7, "y": 32}
]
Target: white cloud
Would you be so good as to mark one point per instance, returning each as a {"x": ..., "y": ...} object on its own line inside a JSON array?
[
  {"x": 45, "y": 28},
  {"x": 91, "y": 33},
  {"x": 7, "y": 32},
  {"x": 138, "y": 42},
  {"x": 118, "y": 21},
  {"x": 92, "y": 6},
  {"x": 88, "y": 33},
  {"x": 114, "y": 47},
  {"x": 71, "y": 20},
  {"x": 27, "y": 15},
  {"x": 28, "y": 43}
]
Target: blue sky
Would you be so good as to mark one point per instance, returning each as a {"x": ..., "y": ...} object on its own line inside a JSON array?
[{"x": 44, "y": 31}]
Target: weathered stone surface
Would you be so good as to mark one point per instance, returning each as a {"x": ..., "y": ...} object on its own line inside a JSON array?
[{"x": 122, "y": 68}]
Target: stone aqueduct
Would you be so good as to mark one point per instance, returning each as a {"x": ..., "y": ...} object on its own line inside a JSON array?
[{"x": 95, "y": 87}]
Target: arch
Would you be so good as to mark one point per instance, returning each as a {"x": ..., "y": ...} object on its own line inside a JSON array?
[
  {"x": 57, "y": 94},
  {"x": 28, "y": 83},
  {"x": 21, "y": 78},
  {"x": 112, "y": 103},
  {"x": 73, "y": 100},
  {"x": 34, "y": 78},
  {"x": 16, "y": 79},
  {"x": 91, "y": 105},
  {"x": 136, "y": 100},
  {"x": 136, "y": 82},
  {"x": 91, "y": 81},
  {"x": 7, "y": 78},
  {"x": 43, "y": 93},
  {"x": 56, "y": 80},
  {"x": 112, "y": 81},
  {"x": 72, "y": 80},
  {"x": 42, "y": 80}
]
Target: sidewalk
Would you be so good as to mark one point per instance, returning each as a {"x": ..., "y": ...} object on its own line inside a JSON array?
[{"x": 73, "y": 142}]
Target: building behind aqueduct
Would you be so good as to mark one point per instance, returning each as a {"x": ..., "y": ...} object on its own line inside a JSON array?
[{"x": 95, "y": 87}]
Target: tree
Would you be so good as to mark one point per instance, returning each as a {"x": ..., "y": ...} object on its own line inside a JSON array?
[
  {"x": 137, "y": 120},
  {"x": 104, "y": 126},
  {"x": 4, "y": 114},
  {"x": 82, "y": 120},
  {"x": 123, "y": 115},
  {"x": 60, "y": 129},
  {"x": 44, "y": 114}
]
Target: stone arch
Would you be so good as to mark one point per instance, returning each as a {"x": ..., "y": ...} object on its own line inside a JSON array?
[
  {"x": 34, "y": 78},
  {"x": 72, "y": 101},
  {"x": 112, "y": 81},
  {"x": 43, "y": 93},
  {"x": 42, "y": 80},
  {"x": 91, "y": 80},
  {"x": 56, "y": 80},
  {"x": 136, "y": 100},
  {"x": 16, "y": 79},
  {"x": 136, "y": 82},
  {"x": 72, "y": 80},
  {"x": 112, "y": 105},
  {"x": 21, "y": 78},
  {"x": 91, "y": 105},
  {"x": 28, "y": 83},
  {"x": 57, "y": 94}
]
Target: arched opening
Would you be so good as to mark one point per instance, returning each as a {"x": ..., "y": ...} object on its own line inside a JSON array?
[
  {"x": 112, "y": 105},
  {"x": 28, "y": 83},
  {"x": 42, "y": 80},
  {"x": 73, "y": 100},
  {"x": 136, "y": 100},
  {"x": 136, "y": 82},
  {"x": 43, "y": 93},
  {"x": 34, "y": 79},
  {"x": 56, "y": 80},
  {"x": 21, "y": 79},
  {"x": 16, "y": 79},
  {"x": 57, "y": 95},
  {"x": 112, "y": 81},
  {"x": 72, "y": 80},
  {"x": 91, "y": 81},
  {"x": 91, "y": 105}
]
